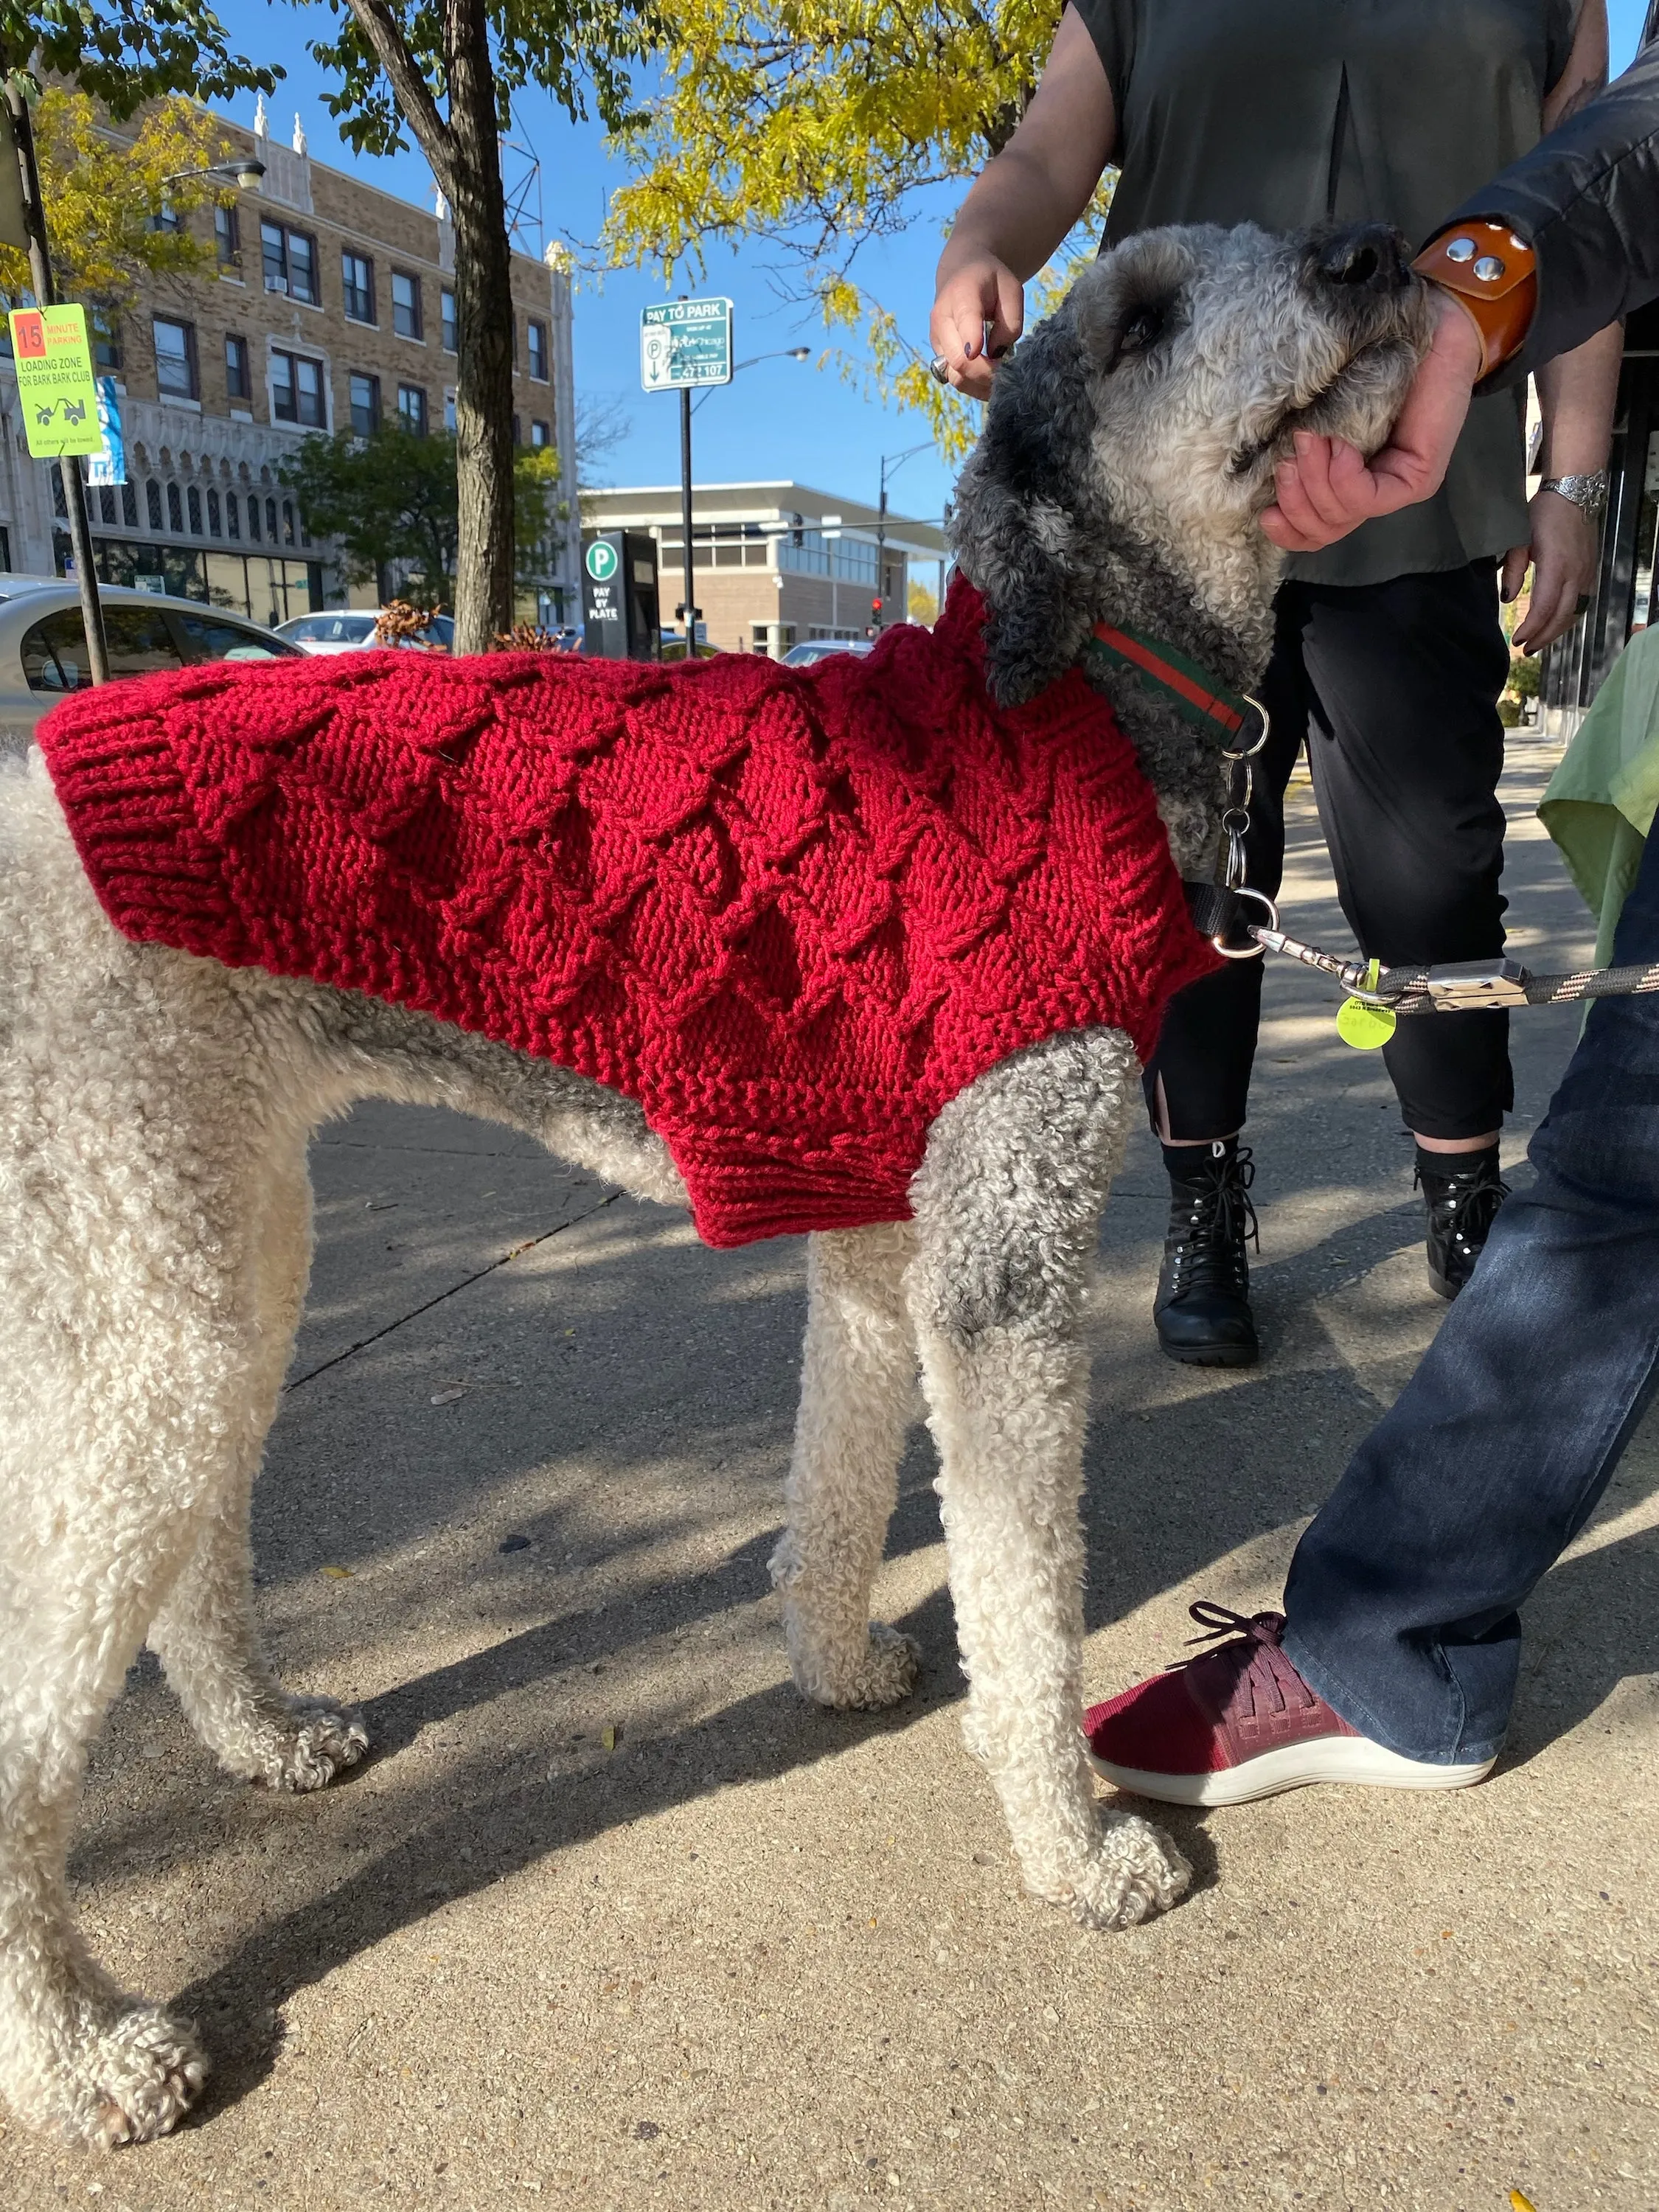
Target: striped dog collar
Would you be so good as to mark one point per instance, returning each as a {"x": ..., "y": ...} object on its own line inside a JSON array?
[{"x": 1239, "y": 720}]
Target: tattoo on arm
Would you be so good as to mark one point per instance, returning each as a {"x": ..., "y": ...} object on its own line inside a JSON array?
[{"x": 1580, "y": 97}]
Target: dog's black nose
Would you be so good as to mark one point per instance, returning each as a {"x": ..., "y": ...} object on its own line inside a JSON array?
[{"x": 1367, "y": 256}]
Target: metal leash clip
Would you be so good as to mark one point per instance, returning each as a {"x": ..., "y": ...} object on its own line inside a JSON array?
[
  {"x": 1463, "y": 983},
  {"x": 1236, "y": 827}
]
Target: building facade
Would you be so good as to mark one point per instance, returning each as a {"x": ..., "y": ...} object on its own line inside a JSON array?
[
  {"x": 776, "y": 564},
  {"x": 330, "y": 308}
]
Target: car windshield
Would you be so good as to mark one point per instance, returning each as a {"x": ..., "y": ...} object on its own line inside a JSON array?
[
  {"x": 330, "y": 630},
  {"x": 208, "y": 638}
]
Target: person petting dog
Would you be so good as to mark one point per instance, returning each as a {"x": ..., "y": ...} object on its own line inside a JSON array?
[
  {"x": 1396, "y": 1657},
  {"x": 1389, "y": 653}
]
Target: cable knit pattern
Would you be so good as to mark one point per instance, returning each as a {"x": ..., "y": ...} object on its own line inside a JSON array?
[{"x": 792, "y": 912}]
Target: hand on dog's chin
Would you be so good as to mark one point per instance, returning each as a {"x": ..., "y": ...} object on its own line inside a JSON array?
[{"x": 1329, "y": 488}]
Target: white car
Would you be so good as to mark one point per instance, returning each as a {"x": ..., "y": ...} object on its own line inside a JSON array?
[
  {"x": 351, "y": 630},
  {"x": 43, "y": 643}
]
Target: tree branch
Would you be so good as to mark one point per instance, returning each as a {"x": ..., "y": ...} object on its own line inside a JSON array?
[{"x": 375, "y": 19}]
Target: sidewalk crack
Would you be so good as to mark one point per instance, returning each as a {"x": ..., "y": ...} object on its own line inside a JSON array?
[{"x": 467, "y": 1282}]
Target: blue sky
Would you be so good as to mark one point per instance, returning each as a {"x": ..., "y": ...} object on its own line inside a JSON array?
[{"x": 780, "y": 418}]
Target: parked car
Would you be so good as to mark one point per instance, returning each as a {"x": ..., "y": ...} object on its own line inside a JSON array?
[
  {"x": 820, "y": 648},
  {"x": 351, "y": 630},
  {"x": 43, "y": 643}
]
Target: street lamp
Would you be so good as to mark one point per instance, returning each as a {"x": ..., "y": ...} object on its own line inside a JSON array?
[
  {"x": 688, "y": 407},
  {"x": 789, "y": 353},
  {"x": 245, "y": 172},
  {"x": 891, "y": 466}
]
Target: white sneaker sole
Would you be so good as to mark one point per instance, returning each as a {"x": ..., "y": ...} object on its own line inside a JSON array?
[{"x": 1352, "y": 1758}]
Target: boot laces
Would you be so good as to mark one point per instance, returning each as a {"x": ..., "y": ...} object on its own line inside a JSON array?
[
  {"x": 1463, "y": 1205},
  {"x": 1209, "y": 1220}
]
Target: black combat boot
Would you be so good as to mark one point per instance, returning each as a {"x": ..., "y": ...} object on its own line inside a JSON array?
[
  {"x": 1202, "y": 1309},
  {"x": 1462, "y": 1192}
]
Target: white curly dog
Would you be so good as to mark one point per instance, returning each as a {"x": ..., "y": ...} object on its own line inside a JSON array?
[{"x": 154, "y": 1209}]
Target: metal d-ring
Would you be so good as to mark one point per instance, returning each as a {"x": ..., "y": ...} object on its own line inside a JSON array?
[
  {"x": 1247, "y": 951},
  {"x": 1249, "y": 752}
]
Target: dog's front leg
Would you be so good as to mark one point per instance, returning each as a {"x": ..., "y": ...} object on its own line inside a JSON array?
[
  {"x": 1008, "y": 1205},
  {"x": 857, "y": 1380}
]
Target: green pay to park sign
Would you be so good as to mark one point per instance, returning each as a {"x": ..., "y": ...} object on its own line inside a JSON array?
[
  {"x": 684, "y": 342},
  {"x": 55, "y": 386}
]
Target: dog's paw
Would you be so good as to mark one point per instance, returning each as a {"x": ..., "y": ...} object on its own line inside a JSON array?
[
  {"x": 882, "y": 1673},
  {"x": 317, "y": 1741},
  {"x": 1132, "y": 1873},
  {"x": 125, "y": 2075}
]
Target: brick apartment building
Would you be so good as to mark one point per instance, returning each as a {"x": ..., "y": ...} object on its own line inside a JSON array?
[
  {"x": 775, "y": 564},
  {"x": 331, "y": 309}
]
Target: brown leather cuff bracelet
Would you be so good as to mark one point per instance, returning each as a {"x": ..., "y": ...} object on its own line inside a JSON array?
[{"x": 1494, "y": 274}]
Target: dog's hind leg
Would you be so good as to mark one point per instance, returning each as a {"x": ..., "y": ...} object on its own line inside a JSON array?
[
  {"x": 1007, "y": 1203},
  {"x": 858, "y": 1381},
  {"x": 205, "y": 1634}
]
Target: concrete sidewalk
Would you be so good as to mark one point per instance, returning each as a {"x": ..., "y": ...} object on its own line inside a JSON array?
[{"x": 612, "y": 1919}]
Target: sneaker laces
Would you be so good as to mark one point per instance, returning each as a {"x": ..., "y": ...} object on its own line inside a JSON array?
[
  {"x": 1247, "y": 1674},
  {"x": 1464, "y": 1204},
  {"x": 1209, "y": 1219}
]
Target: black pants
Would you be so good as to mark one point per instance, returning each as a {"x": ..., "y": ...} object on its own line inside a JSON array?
[{"x": 1392, "y": 688}]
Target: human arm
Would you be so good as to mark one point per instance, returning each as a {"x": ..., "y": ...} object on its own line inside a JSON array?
[
  {"x": 1576, "y": 396},
  {"x": 1023, "y": 203},
  {"x": 1587, "y": 199}
]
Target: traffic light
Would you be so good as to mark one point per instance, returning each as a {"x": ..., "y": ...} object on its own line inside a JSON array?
[{"x": 875, "y": 610}]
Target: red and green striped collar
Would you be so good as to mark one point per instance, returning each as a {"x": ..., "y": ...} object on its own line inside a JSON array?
[{"x": 1240, "y": 721}]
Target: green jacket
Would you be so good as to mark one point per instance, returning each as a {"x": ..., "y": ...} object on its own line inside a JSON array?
[{"x": 1602, "y": 798}]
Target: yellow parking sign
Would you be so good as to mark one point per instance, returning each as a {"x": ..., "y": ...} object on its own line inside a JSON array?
[{"x": 55, "y": 388}]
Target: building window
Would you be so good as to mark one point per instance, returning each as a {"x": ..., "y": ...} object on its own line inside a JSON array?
[
  {"x": 239, "y": 378},
  {"x": 167, "y": 217},
  {"x": 215, "y": 527},
  {"x": 412, "y": 406},
  {"x": 253, "y": 517},
  {"x": 193, "y": 503},
  {"x": 535, "y": 340},
  {"x": 541, "y": 435},
  {"x": 233, "y": 515},
  {"x": 290, "y": 262},
  {"x": 228, "y": 237},
  {"x": 288, "y": 522},
  {"x": 270, "y": 520},
  {"x": 175, "y": 360},
  {"x": 296, "y": 390},
  {"x": 130, "y": 505},
  {"x": 106, "y": 340},
  {"x": 446, "y": 306},
  {"x": 365, "y": 405},
  {"x": 405, "y": 304},
  {"x": 357, "y": 282},
  {"x": 153, "y": 503},
  {"x": 105, "y": 505},
  {"x": 175, "y": 509},
  {"x": 449, "y": 410}
]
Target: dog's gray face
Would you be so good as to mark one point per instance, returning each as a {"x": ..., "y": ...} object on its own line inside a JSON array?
[{"x": 1149, "y": 409}]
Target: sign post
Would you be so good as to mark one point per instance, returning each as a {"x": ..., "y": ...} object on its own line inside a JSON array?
[
  {"x": 65, "y": 396},
  {"x": 685, "y": 345}
]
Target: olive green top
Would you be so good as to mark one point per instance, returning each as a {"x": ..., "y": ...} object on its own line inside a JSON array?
[{"x": 1286, "y": 112}]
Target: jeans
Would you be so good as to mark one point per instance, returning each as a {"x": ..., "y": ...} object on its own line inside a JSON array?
[{"x": 1401, "y": 1600}]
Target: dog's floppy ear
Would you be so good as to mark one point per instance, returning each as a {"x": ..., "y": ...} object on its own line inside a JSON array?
[{"x": 1025, "y": 521}]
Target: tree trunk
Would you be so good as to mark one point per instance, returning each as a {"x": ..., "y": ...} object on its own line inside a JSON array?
[{"x": 483, "y": 336}]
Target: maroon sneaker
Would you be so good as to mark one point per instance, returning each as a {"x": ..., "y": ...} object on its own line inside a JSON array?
[{"x": 1239, "y": 1723}]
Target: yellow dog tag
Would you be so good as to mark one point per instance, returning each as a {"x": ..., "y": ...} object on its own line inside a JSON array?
[{"x": 1363, "y": 1026}]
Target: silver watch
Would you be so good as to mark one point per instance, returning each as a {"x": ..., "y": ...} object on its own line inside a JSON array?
[{"x": 1588, "y": 494}]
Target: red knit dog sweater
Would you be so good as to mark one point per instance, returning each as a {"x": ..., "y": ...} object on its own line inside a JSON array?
[{"x": 792, "y": 912}]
